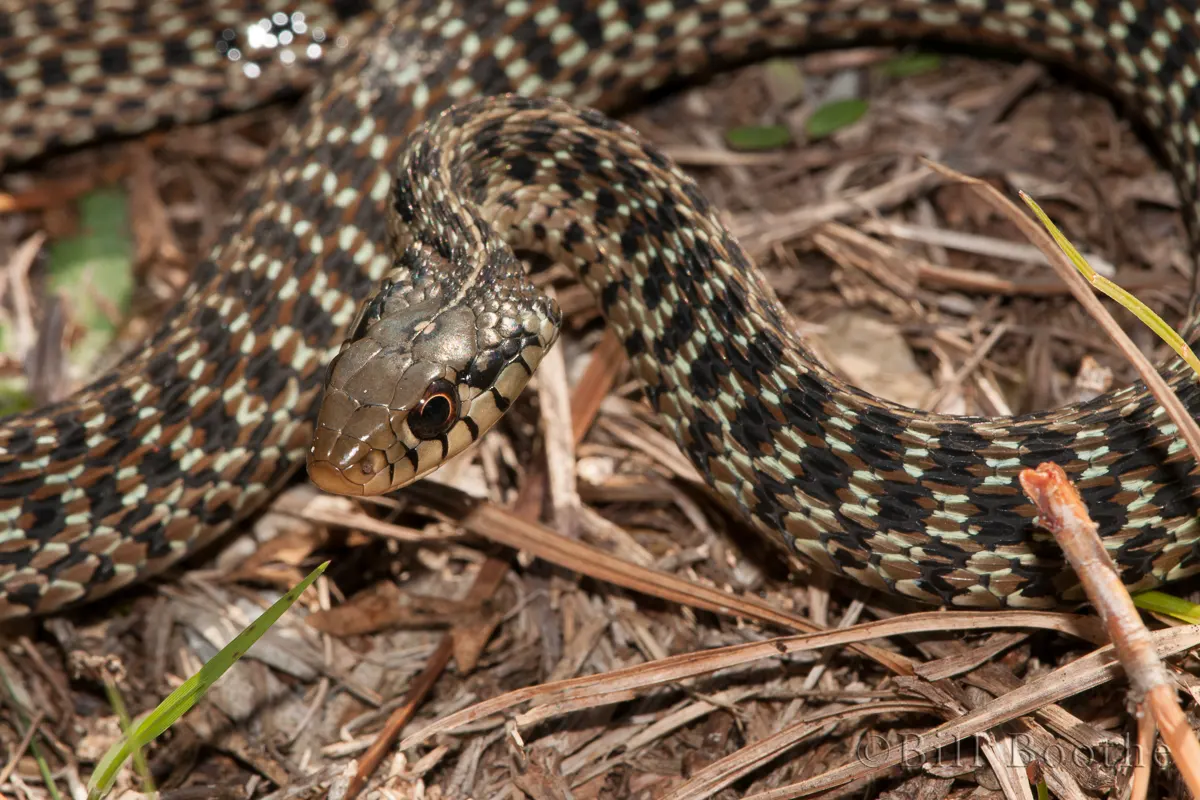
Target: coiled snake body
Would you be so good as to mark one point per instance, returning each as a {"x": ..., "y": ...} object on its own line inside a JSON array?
[{"x": 195, "y": 431}]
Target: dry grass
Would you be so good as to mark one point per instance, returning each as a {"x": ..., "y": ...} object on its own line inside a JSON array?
[{"x": 670, "y": 653}]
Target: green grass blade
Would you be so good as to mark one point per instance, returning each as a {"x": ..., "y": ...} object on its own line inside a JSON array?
[
  {"x": 151, "y": 725},
  {"x": 911, "y": 64},
  {"x": 1137, "y": 307},
  {"x": 1168, "y": 605},
  {"x": 139, "y": 758}
]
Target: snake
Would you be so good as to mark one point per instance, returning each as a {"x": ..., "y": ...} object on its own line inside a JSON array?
[{"x": 364, "y": 314}]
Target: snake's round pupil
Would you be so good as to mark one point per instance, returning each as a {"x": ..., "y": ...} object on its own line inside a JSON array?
[{"x": 436, "y": 412}]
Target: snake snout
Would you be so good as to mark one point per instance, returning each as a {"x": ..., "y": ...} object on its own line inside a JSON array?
[
  {"x": 336, "y": 481},
  {"x": 342, "y": 464}
]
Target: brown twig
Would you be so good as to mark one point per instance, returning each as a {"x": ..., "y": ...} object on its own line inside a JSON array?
[
  {"x": 21, "y": 747},
  {"x": 1082, "y": 674},
  {"x": 1061, "y": 511},
  {"x": 596, "y": 383},
  {"x": 591, "y": 690},
  {"x": 1139, "y": 788},
  {"x": 382, "y": 745}
]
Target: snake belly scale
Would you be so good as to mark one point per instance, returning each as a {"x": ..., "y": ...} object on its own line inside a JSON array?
[{"x": 196, "y": 430}]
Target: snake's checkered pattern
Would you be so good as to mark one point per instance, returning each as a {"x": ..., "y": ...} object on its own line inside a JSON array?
[{"x": 201, "y": 426}]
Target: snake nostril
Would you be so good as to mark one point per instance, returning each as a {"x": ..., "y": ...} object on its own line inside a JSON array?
[{"x": 374, "y": 462}]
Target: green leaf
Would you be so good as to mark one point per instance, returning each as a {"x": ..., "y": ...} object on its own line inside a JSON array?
[
  {"x": 910, "y": 64},
  {"x": 1169, "y": 605},
  {"x": 832, "y": 117},
  {"x": 758, "y": 137},
  {"x": 94, "y": 270},
  {"x": 13, "y": 397},
  {"x": 180, "y": 701}
]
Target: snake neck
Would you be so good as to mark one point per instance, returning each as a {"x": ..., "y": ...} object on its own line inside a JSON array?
[
  {"x": 538, "y": 175},
  {"x": 856, "y": 483},
  {"x": 435, "y": 358}
]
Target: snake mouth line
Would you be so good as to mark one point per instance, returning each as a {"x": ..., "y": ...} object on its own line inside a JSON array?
[{"x": 329, "y": 478}]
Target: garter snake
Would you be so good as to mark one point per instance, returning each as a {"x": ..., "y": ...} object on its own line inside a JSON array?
[{"x": 373, "y": 191}]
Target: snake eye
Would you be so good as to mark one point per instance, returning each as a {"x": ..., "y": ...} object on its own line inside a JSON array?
[{"x": 437, "y": 411}]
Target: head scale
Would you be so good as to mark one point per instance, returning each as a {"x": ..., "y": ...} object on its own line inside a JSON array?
[{"x": 430, "y": 364}]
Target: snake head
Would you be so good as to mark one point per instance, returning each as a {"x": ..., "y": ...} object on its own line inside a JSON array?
[{"x": 428, "y": 367}]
